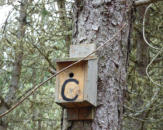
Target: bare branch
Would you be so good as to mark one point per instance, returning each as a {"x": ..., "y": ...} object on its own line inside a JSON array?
[
  {"x": 144, "y": 2},
  {"x": 6, "y": 21}
]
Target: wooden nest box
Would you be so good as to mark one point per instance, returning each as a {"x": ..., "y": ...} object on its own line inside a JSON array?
[{"x": 77, "y": 86}]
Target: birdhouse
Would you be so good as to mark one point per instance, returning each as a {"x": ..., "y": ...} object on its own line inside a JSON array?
[{"x": 77, "y": 86}]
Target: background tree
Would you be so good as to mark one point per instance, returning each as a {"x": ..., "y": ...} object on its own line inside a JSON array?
[
  {"x": 42, "y": 42},
  {"x": 17, "y": 63}
]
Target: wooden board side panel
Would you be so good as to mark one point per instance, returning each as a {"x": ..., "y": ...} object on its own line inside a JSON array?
[
  {"x": 90, "y": 90},
  {"x": 57, "y": 85}
]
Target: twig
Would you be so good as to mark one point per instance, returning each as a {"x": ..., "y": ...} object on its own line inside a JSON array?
[
  {"x": 143, "y": 120},
  {"x": 161, "y": 50},
  {"x": 146, "y": 10},
  {"x": 42, "y": 83},
  {"x": 144, "y": 2},
  {"x": 5, "y": 24}
]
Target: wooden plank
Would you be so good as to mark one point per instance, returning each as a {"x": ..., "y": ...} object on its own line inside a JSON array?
[
  {"x": 74, "y": 85},
  {"x": 75, "y": 104},
  {"x": 74, "y": 59},
  {"x": 81, "y": 50},
  {"x": 73, "y": 114},
  {"x": 86, "y": 113},
  {"x": 57, "y": 85}
]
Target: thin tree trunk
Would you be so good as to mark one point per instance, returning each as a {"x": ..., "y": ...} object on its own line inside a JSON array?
[
  {"x": 3, "y": 108},
  {"x": 96, "y": 21},
  {"x": 142, "y": 58},
  {"x": 16, "y": 72},
  {"x": 63, "y": 17},
  {"x": 142, "y": 53}
]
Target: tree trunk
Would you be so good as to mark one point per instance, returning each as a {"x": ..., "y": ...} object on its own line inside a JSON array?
[
  {"x": 142, "y": 59},
  {"x": 96, "y": 21},
  {"x": 3, "y": 108},
  {"x": 142, "y": 52},
  {"x": 16, "y": 72},
  {"x": 63, "y": 18}
]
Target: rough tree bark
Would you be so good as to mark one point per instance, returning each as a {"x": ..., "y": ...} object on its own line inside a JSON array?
[
  {"x": 16, "y": 72},
  {"x": 95, "y": 21}
]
